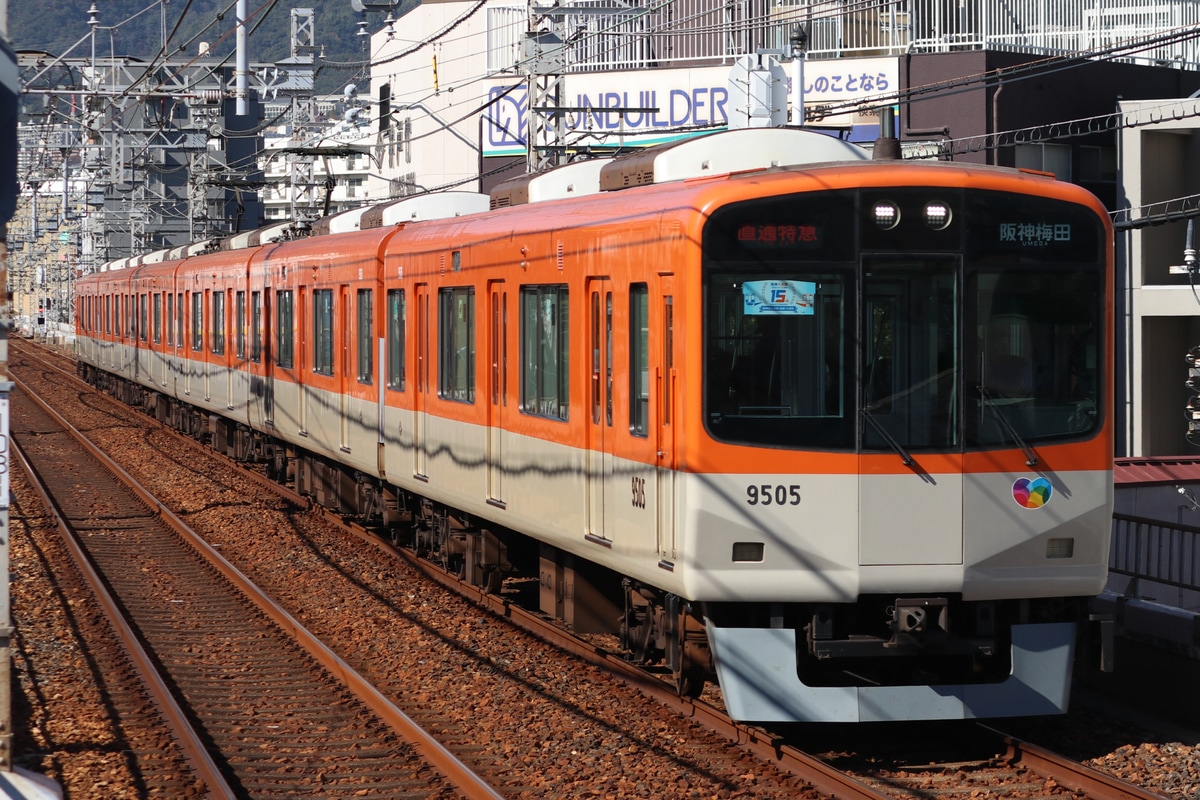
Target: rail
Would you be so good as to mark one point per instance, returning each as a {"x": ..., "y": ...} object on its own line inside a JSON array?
[{"x": 1154, "y": 550}]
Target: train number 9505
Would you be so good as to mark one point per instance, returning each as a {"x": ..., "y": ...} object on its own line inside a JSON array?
[{"x": 773, "y": 494}]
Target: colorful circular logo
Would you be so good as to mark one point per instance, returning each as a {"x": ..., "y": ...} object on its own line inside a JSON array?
[{"x": 1033, "y": 493}]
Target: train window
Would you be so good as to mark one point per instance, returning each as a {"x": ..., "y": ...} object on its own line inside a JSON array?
[
  {"x": 395, "y": 339},
  {"x": 158, "y": 318},
  {"x": 775, "y": 341},
  {"x": 285, "y": 348},
  {"x": 142, "y": 317},
  {"x": 127, "y": 315},
  {"x": 218, "y": 323},
  {"x": 239, "y": 321},
  {"x": 668, "y": 354},
  {"x": 639, "y": 359},
  {"x": 170, "y": 321},
  {"x": 179, "y": 309},
  {"x": 456, "y": 344},
  {"x": 256, "y": 323},
  {"x": 108, "y": 314},
  {"x": 545, "y": 350},
  {"x": 197, "y": 321},
  {"x": 323, "y": 331},
  {"x": 911, "y": 352},
  {"x": 366, "y": 336}
]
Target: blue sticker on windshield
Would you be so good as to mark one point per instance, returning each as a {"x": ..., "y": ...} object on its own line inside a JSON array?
[{"x": 779, "y": 297}]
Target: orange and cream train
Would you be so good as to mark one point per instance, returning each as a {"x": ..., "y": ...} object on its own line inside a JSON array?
[{"x": 836, "y": 431}]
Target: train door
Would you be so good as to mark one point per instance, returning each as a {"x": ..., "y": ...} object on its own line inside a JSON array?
[
  {"x": 600, "y": 462},
  {"x": 910, "y": 513},
  {"x": 497, "y": 389},
  {"x": 419, "y": 396},
  {"x": 666, "y": 393},
  {"x": 269, "y": 352},
  {"x": 346, "y": 369},
  {"x": 231, "y": 358},
  {"x": 203, "y": 357}
]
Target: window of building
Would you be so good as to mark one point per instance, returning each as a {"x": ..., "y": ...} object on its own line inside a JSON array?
[
  {"x": 395, "y": 339},
  {"x": 1053, "y": 158},
  {"x": 366, "y": 336},
  {"x": 323, "y": 331},
  {"x": 545, "y": 351},
  {"x": 456, "y": 344},
  {"x": 285, "y": 352}
]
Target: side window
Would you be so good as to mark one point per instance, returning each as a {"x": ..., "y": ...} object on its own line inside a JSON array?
[
  {"x": 218, "y": 323},
  {"x": 239, "y": 320},
  {"x": 366, "y": 335},
  {"x": 256, "y": 326},
  {"x": 158, "y": 318},
  {"x": 323, "y": 331},
  {"x": 108, "y": 313},
  {"x": 545, "y": 351},
  {"x": 143, "y": 313},
  {"x": 170, "y": 320},
  {"x": 395, "y": 339},
  {"x": 456, "y": 344},
  {"x": 639, "y": 359},
  {"x": 285, "y": 352},
  {"x": 197, "y": 321},
  {"x": 179, "y": 319}
]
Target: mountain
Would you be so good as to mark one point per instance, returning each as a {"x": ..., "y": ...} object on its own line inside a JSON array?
[{"x": 54, "y": 26}]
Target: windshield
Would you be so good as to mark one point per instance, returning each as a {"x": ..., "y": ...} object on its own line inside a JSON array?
[{"x": 983, "y": 333}]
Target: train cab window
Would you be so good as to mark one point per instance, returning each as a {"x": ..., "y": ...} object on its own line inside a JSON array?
[
  {"x": 197, "y": 321},
  {"x": 456, "y": 344},
  {"x": 218, "y": 323},
  {"x": 285, "y": 347},
  {"x": 545, "y": 350},
  {"x": 256, "y": 322},
  {"x": 366, "y": 336},
  {"x": 775, "y": 357},
  {"x": 639, "y": 359},
  {"x": 158, "y": 318},
  {"x": 323, "y": 346},
  {"x": 395, "y": 339},
  {"x": 143, "y": 313},
  {"x": 239, "y": 322}
]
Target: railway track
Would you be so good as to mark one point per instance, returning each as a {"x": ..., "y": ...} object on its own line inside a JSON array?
[
  {"x": 229, "y": 674},
  {"x": 1011, "y": 763}
]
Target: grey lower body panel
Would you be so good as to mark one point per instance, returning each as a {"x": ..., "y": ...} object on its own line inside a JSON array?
[{"x": 757, "y": 671}]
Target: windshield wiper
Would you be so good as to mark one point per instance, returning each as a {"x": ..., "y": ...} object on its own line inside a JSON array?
[
  {"x": 1031, "y": 458},
  {"x": 887, "y": 437}
]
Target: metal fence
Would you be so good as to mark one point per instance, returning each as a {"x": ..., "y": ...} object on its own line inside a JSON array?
[
  {"x": 617, "y": 34},
  {"x": 1156, "y": 551}
]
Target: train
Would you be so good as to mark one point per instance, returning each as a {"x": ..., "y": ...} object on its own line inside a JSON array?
[{"x": 833, "y": 431}]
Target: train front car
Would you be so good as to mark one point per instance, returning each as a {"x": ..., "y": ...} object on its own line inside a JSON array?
[{"x": 906, "y": 464}]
